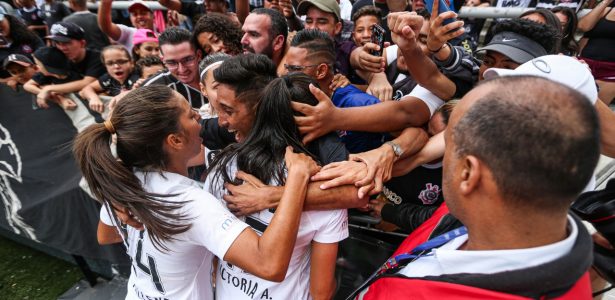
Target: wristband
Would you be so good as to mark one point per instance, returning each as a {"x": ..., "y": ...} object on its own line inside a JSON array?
[{"x": 437, "y": 50}]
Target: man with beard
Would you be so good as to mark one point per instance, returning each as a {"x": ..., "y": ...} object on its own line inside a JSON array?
[{"x": 265, "y": 32}]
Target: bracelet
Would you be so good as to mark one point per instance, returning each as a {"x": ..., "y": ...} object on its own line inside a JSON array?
[{"x": 438, "y": 50}]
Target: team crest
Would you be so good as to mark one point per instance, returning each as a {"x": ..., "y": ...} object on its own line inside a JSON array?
[{"x": 430, "y": 194}]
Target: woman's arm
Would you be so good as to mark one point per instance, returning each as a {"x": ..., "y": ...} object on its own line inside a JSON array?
[
  {"x": 268, "y": 256},
  {"x": 587, "y": 22},
  {"x": 322, "y": 270},
  {"x": 90, "y": 93},
  {"x": 107, "y": 234}
]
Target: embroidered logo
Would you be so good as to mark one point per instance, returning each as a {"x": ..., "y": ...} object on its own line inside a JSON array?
[{"x": 430, "y": 194}]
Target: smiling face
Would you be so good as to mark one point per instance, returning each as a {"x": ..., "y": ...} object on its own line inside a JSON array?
[
  {"x": 190, "y": 124},
  {"x": 363, "y": 29},
  {"x": 142, "y": 18},
  {"x": 233, "y": 114},
  {"x": 182, "y": 61},
  {"x": 323, "y": 21},
  {"x": 21, "y": 73},
  {"x": 118, "y": 64}
]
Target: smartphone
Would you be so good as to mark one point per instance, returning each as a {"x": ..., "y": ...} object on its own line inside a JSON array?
[
  {"x": 378, "y": 39},
  {"x": 443, "y": 7}
]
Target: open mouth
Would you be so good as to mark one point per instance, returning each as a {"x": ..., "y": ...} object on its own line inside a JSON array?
[
  {"x": 119, "y": 73},
  {"x": 235, "y": 133}
]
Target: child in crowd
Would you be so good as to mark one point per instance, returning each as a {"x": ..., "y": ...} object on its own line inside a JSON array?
[
  {"x": 31, "y": 15},
  {"x": 145, "y": 43},
  {"x": 21, "y": 69},
  {"x": 52, "y": 69},
  {"x": 146, "y": 67},
  {"x": 120, "y": 76}
]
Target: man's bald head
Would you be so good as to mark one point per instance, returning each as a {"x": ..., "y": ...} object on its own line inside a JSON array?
[{"x": 539, "y": 139}]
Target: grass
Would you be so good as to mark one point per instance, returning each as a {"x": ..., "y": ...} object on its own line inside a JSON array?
[{"x": 29, "y": 274}]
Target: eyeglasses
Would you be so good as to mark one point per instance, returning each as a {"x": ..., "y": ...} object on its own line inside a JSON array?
[
  {"x": 118, "y": 62},
  {"x": 188, "y": 61},
  {"x": 296, "y": 68}
]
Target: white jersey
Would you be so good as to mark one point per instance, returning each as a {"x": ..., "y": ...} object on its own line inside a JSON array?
[
  {"x": 320, "y": 226},
  {"x": 184, "y": 271}
]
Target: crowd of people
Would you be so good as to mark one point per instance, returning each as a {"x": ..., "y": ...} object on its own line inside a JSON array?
[{"x": 230, "y": 141}]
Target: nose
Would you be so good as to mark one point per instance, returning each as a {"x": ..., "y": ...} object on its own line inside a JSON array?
[
  {"x": 222, "y": 121},
  {"x": 244, "y": 39}
]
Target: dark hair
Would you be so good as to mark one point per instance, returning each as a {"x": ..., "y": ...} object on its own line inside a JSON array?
[
  {"x": 317, "y": 43},
  {"x": 114, "y": 47},
  {"x": 222, "y": 27},
  {"x": 262, "y": 153},
  {"x": 79, "y": 3},
  {"x": 367, "y": 11},
  {"x": 544, "y": 35},
  {"x": 550, "y": 20},
  {"x": 147, "y": 61},
  {"x": 278, "y": 22},
  {"x": 209, "y": 60},
  {"x": 175, "y": 36},
  {"x": 539, "y": 139},
  {"x": 423, "y": 13},
  {"x": 569, "y": 43},
  {"x": 19, "y": 32},
  {"x": 142, "y": 121},
  {"x": 247, "y": 75}
]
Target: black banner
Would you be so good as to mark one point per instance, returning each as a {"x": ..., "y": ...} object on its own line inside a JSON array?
[{"x": 39, "y": 180}]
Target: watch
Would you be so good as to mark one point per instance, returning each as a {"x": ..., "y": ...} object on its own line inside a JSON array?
[{"x": 396, "y": 148}]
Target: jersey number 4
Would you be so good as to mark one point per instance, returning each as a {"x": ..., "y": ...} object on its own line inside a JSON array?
[{"x": 149, "y": 269}]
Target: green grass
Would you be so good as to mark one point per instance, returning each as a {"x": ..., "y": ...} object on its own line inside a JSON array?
[{"x": 29, "y": 274}]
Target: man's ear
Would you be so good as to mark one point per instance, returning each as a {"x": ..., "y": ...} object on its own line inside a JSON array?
[
  {"x": 278, "y": 43},
  {"x": 338, "y": 28},
  {"x": 321, "y": 71},
  {"x": 470, "y": 175}
]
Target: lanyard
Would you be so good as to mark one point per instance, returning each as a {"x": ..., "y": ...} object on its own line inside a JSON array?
[{"x": 395, "y": 263}]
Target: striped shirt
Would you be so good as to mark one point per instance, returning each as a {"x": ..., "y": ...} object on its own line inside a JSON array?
[{"x": 191, "y": 94}]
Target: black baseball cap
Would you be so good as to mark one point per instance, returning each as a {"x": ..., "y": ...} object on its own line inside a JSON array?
[
  {"x": 65, "y": 31},
  {"x": 53, "y": 59},
  {"x": 17, "y": 59},
  {"x": 518, "y": 48}
]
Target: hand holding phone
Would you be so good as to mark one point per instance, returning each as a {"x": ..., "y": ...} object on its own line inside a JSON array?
[
  {"x": 378, "y": 39},
  {"x": 440, "y": 6}
]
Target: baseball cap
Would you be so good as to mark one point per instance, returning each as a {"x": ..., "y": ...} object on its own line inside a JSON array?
[
  {"x": 330, "y": 6},
  {"x": 559, "y": 68},
  {"x": 2, "y": 12},
  {"x": 65, "y": 31},
  {"x": 53, "y": 59},
  {"x": 17, "y": 59},
  {"x": 144, "y": 35},
  {"x": 517, "y": 47},
  {"x": 136, "y": 5}
]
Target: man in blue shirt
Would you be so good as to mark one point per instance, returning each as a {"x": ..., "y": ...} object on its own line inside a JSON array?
[{"x": 312, "y": 52}]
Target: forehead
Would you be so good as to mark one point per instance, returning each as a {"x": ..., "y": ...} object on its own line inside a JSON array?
[
  {"x": 114, "y": 52},
  {"x": 140, "y": 11},
  {"x": 177, "y": 51},
  {"x": 15, "y": 66},
  {"x": 315, "y": 13},
  {"x": 257, "y": 22},
  {"x": 367, "y": 19}
]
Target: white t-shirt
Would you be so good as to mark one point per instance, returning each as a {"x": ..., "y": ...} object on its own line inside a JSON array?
[
  {"x": 448, "y": 260},
  {"x": 319, "y": 226},
  {"x": 126, "y": 36},
  {"x": 184, "y": 271}
]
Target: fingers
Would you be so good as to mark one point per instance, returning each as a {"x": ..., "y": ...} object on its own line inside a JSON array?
[
  {"x": 249, "y": 178},
  {"x": 319, "y": 94},
  {"x": 302, "y": 108},
  {"x": 434, "y": 9},
  {"x": 365, "y": 190}
]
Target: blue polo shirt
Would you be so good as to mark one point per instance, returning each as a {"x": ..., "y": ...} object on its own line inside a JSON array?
[{"x": 357, "y": 141}]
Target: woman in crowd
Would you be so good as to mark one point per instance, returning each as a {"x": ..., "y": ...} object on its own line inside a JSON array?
[
  {"x": 568, "y": 20},
  {"x": 545, "y": 16},
  {"x": 145, "y": 43},
  {"x": 157, "y": 133},
  {"x": 597, "y": 52},
  {"x": 208, "y": 83},
  {"x": 312, "y": 268},
  {"x": 15, "y": 38},
  {"x": 217, "y": 33}
]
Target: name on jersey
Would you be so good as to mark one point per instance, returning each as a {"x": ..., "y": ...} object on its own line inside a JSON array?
[
  {"x": 143, "y": 296},
  {"x": 247, "y": 286}
]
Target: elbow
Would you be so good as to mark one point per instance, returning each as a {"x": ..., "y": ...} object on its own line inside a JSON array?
[{"x": 274, "y": 272}]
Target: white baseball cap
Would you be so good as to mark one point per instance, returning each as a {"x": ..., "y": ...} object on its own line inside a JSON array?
[{"x": 559, "y": 68}]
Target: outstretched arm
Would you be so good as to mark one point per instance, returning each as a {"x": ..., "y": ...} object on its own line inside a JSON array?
[{"x": 104, "y": 20}]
